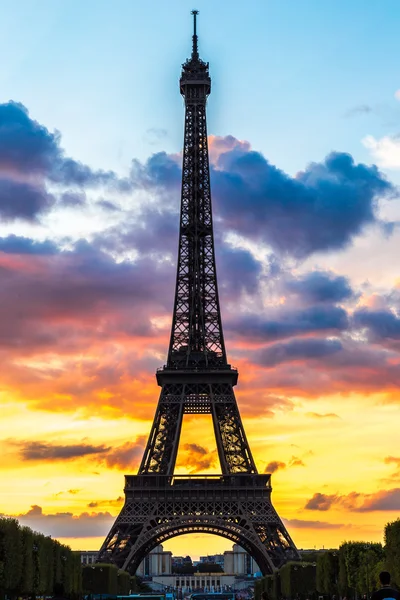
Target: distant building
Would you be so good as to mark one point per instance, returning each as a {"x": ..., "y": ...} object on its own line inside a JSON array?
[
  {"x": 157, "y": 562},
  {"x": 215, "y": 559},
  {"x": 209, "y": 582},
  {"x": 238, "y": 562},
  {"x": 88, "y": 557}
]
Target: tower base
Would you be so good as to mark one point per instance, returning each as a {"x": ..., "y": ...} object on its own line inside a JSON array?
[{"x": 160, "y": 507}]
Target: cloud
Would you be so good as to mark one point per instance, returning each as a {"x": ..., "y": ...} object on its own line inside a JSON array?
[
  {"x": 154, "y": 135},
  {"x": 381, "y": 324},
  {"x": 26, "y": 146},
  {"x": 274, "y": 466},
  {"x": 383, "y": 500},
  {"x": 31, "y": 159},
  {"x": 295, "y": 461},
  {"x": 290, "y": 322},
  {"x": 321, "y": 502},
  {"x": 127, "y": 456},
  {"x": 298, "y": 350},
  {"x": 196, "y": 458},
  {"x": 43, "y": 451},
  {"x": 360, "y": 109},
  {"x": 315, "y": 415},
  {"x": 385, "y": 151},
  {"x": 115, "y": 502},
  {"x": 14, "y": 244},
  {"x": 320, "y": 209},
  {"x": 303, "y": 524},
  {"x": 23, "y": 200},
  {"x": 65, "y": 524},
  {"x": 321, "y": 286},
  {"x": 397, "y": 94}
]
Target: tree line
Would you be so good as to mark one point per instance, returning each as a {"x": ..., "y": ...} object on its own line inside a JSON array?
[
  {"x": 31, "y": 563},
  {"x": 351, "y": 571}
]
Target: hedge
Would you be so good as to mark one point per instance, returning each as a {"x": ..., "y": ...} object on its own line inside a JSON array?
[{"x": 31, "y": 563}]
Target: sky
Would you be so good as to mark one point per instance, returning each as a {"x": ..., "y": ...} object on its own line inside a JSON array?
[{"x": 304, "y": 138}]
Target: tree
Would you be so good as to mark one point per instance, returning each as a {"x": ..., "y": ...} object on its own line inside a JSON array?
[
  {"x": 183, "y": 569},
  {"x": 100, "y": 579},
  {"x": 205, "y": 567},
  {"x": 392, "y": 550},
  {"x": 10, "y": 554},
  {"x": 358, "y": 564},
  {"x": 26, "y": 582},
  {"x": 327, "y": 572},
  {"x": 297, "y": 579}
]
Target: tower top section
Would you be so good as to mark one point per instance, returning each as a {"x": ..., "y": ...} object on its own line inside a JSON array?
[
  {"x": 195, "y": 82},
  {"x": 195, "y": 51}
]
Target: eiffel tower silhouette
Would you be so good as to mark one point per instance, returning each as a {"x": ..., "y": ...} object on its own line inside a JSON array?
[{"x": 197, "y": 379}]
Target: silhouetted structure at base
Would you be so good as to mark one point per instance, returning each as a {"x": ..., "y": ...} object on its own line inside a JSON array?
[{"x": 197, "y": 379}]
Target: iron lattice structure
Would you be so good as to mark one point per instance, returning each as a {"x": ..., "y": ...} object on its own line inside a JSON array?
[{"x": 197, "y": 379}]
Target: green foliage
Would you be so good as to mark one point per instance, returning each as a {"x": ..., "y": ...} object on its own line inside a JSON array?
[
  {"x": 124, "y": 583},
  {"x": 392, "y": 550},
  {"x": 185, "y": 569},
  {"x": 327, "y": 572},
  {"x": 359, "y": 563},
  {"x": 10, "y": 553},
  {"x": 258, "y": 588},
  {"x": 297, "y": 579},
  {"x": 205, "y": 567},
  {"x": 30, "y": 563},
  {"x": 100, "y": 579},
  {"x": 26, "y": 582}
]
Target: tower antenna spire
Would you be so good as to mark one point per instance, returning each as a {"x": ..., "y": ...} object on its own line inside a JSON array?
[{"x": 195, "y": 51}]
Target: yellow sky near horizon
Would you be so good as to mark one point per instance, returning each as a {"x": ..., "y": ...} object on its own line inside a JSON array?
[{"x": 334, "y": 455}]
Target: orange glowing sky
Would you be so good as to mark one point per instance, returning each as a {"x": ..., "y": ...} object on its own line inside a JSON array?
[{"x": 310, "y": 294}]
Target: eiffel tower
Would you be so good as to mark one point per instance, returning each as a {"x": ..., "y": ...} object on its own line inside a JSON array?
[{"x": 197, "y": 379}]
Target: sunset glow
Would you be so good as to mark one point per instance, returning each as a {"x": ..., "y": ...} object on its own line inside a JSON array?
[{"x": 307, "y": 240}]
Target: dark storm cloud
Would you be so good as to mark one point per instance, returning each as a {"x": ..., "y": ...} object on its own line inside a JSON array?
[
  {"x": 381, "y": 324},
  {"x": 321, "y": 286},
  {"x": 290, "y": 323},
  {"x": 298, "y": 350},
  {"x": 44, "y": 451}
]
